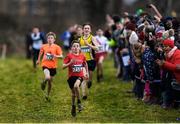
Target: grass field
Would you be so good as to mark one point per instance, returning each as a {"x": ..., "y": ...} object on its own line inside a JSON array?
[{"x": 21, "y": 99}]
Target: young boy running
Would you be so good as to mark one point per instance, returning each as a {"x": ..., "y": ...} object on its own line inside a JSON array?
[
  {"x": 88, "y": 46},
  {"x": 76, "y": 62},
  {"x": 50, "y": 52}
]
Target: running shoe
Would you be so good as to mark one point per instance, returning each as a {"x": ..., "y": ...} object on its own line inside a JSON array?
[
  {"x": 43, "y": 85},
  {"x": 73, "y": 111},
  {"x": 80, "y": 108},
  {"x": 84, "y": 97},
  {"x": 89, "y": 84}
]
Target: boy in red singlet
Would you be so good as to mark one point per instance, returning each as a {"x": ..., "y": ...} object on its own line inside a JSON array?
[
  {"x": 75, "y": 61},
  {"x": 50, "y": 52}
]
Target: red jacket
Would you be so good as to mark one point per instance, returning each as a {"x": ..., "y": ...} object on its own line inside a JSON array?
[{"x": 170, "y": 64}]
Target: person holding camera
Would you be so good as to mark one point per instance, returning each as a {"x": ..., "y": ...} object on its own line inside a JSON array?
[
  {"x": 171, "y": 73},
  {"x": 172, "y": 62}
]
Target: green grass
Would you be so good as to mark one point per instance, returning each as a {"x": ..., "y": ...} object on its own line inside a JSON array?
[{"x": 21, "y": 99}]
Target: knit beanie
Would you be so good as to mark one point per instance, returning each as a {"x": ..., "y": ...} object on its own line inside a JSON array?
[
  {"x": 169, "y": 43},
  {"x": 131, "y": 26}
]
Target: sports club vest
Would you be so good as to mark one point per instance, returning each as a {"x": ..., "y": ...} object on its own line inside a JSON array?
[
  {"x": 37, "y": 41},
  {"x": 86, "y": 50}
]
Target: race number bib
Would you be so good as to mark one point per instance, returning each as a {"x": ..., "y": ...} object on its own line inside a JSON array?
[
  {"x": 77, "y": 68},
  {"x": 100, "y": 48},
  {"x": 85, "y": 49},
  {"x": 49, "y": 56}
]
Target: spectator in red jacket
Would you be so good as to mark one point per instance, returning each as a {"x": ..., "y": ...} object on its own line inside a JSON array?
[{"x": 172, "y": 62}]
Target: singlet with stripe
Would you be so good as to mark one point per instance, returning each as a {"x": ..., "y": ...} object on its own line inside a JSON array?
[
  {"x": 86, "y": 50},
  {"x": 37, "y": 41}
]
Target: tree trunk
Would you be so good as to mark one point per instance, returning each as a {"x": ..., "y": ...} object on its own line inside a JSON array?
[{"x": 4, "y": 50}]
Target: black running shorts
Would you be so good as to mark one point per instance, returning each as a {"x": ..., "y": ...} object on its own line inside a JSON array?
[
  {"x": 71, "y": 81},
  {"x": 51, "y": 70},
  {"x": 91, "y": 65}
]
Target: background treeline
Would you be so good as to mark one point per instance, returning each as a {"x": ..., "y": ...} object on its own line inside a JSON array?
[{"x": 17, "y": 17}]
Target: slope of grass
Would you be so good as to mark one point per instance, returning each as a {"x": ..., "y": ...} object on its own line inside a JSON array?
[{"x": 22, "y": 100}]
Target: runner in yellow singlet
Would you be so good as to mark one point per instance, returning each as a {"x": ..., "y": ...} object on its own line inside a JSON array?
[{"x": 88, "y": 46}]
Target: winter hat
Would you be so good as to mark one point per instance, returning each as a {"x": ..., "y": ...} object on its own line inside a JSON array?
[
  {"x": 133, "y": 39},
  {"x": 149, "y": 28},
  {"x": 139, "y": 12},
  {"x": 165, "y": 34},
  {"x": 141, "y": 36},
  {"x": 131, "y": 26},
  {"x": 169, "y": 43},
  {"x": 168, "y": 18},
  {"x": 159, "y": 29},
  {"x": 159, "y": 34},
  {"x": 116, "y": 18},
  {"x": 140, "y": 27}
]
